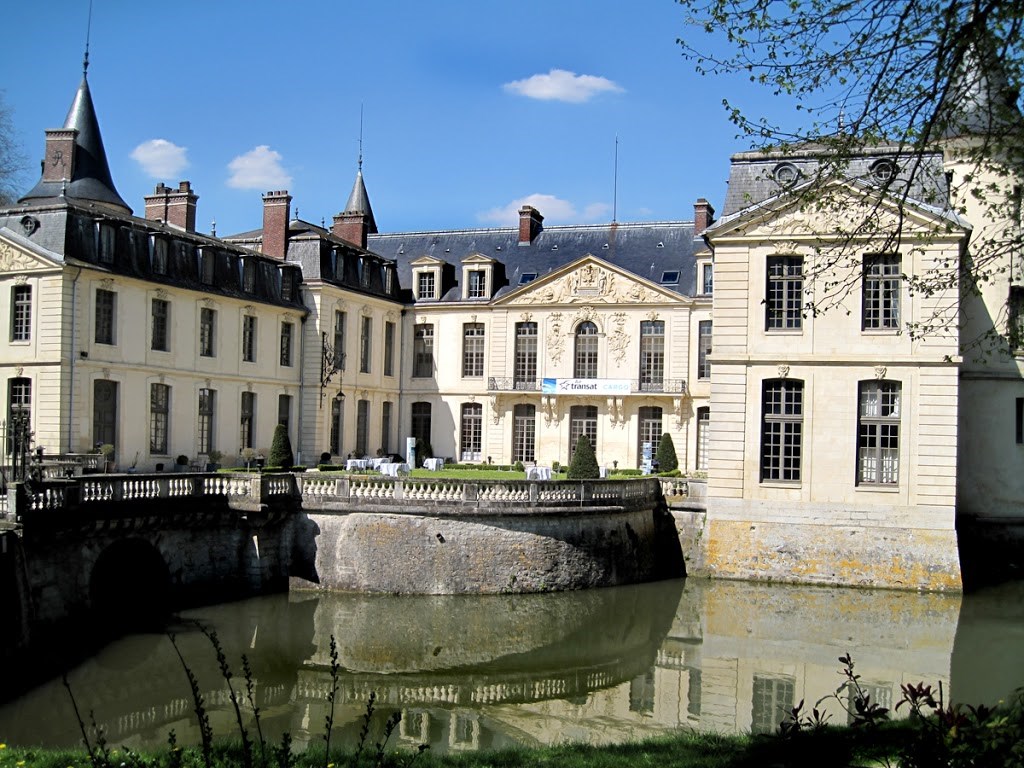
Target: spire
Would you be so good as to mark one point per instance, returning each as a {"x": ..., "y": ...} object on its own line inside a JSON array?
[
  {"x": 75, "y": 155},
  {"x": 359, "y": 203}
]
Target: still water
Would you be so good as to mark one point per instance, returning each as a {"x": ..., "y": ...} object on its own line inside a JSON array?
[{"x": 598, "y": 666}]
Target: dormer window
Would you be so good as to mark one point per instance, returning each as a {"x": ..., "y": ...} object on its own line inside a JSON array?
[
  {"x": 786, "y": 174},
  {"x": 158, "y": 255},
  {"x": 426, "y": 285},
  {"x": 477, "y": 288},
  {"x": 288, "y": 284},
  {"x": 248, "y": 275},
  {"x": 527, "y": 277},
  {"x": 107, "y": 236},
  {"x": 670, "y": 278},
  {"x": 206, "y": 266},
  {"x": 883, "y": 170}
]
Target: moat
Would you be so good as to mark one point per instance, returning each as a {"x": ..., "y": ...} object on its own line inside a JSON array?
[{"x": 594, "y": 666}]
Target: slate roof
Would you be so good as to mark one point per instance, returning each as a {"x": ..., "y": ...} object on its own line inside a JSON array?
[
  {"x": 91, "y": 178},
  {"x": 648, "y": 249},
  {"x": 757, "y": 176}
]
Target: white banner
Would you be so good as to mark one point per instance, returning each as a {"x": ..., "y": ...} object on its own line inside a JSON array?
[{"x": 585, "y": 387}]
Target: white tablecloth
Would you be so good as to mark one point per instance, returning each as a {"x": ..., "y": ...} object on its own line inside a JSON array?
[
  {"x": 394, "y": 469},
  {"x": 356, "y": 463},
  {"x": 433, "y": 464},
  {"x": 538, "y": 473}
]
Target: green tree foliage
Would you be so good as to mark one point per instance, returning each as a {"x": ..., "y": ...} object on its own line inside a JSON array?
[
  {"x": 584, "y": 463},
  {"x": 912, "y": 75},
  {"x": 666, "y": 455},
  {"x": 281, "y": 449}
]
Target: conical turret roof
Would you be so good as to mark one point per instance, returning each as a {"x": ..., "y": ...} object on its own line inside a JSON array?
[
  {"x": 359, "y": 202},
  {"x": 980, "y": 100},
  {"x": 91, "y": 179}
]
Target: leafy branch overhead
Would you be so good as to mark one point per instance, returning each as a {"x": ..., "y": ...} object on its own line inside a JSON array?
[{"x": 933, "y": 86}]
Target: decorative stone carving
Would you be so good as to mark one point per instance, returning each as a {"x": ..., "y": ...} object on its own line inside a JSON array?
[
  {"x": 587, "y": 314},
  {"x": 783, "y": 371},
  {"x": 21, "y": 279},
  {"x": 526, "y": 317},
  {"x": 787, "y": 248},
  {"x": 880, "y": 371},
  {"x": 653, "y": 316},
  {"x": 248, "y": 309},
  {"x": 495, "y": 413},
  {"x": 11, "y": 259},
  {"x": 208, "y": 383},
  {"x": 677, "y": 411},
  {"x": 549, "y": 407},
  {"x": 366, "y": 310},
  {"x": 207, "y": 303},
  {"x": 619, "y": 339},
  {"x": 107, "y": 283},
  {"x": 161, "y": 294},
  {"x": 555, "y": 339},
  {"x": 19, "y": 371}
]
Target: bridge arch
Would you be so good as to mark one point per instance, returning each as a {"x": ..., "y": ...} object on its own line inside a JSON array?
[{"x": 130, "y": 585}]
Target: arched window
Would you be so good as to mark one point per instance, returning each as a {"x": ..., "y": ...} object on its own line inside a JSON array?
[{"x": 586, "y": 351}]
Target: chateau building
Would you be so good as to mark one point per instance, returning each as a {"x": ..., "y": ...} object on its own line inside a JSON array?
[{"x": 838, "y": 446}]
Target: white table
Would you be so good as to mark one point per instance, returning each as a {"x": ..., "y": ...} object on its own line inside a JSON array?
[
  {"x": 538, "y": 473},
  {"x": 394, "y": 469},
  {"x": 433, "y": 464},
  {"x": 376, "y": 462},
  {"x": 351, "y": 464}
]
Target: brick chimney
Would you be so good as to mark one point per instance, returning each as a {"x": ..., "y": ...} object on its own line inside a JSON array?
[
  {"x": 351, "y": 226},
  {"x": 59, "y": 163},
  {"x": 276, "y": 215},
  {"x": 175, "y": 207},
  {"x": 703, "y": 216},
  {"x": 530, "y": 222}
]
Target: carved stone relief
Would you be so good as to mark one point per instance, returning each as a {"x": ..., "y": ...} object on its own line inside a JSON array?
[
  {"x": 11, "y": 259},
  {"x": 556, "y": 339},
  {"x": 619, "y": 339}
]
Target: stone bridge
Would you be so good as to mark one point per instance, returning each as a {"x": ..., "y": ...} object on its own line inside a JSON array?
[{"x": 113, "y": 549}]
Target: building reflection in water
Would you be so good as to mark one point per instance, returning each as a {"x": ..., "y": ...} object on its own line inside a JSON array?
[{"x": 470, "y": 673}]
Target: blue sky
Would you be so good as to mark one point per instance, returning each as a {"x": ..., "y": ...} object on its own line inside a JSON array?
[{"x": 469, "y": 107}]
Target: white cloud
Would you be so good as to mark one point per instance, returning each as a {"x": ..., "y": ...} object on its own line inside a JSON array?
[
  {"x": 259, "y": 168},
  {"x": 560, "y": 85},
  {"x": 160, "y": 158},
  {"x": 553, "y": 209}
]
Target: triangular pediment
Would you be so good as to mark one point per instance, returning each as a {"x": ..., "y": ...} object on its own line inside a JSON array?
[
  {"x": 477, "y": 258},
  {"x": 844, "y": 210},
  {"x": 20, "y": 255},
  {"x": 589, "y": 280},
  {"x": 427, "y": 261}
]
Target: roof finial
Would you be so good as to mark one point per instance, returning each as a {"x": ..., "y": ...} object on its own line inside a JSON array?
[
  {"x": 88, "y": 31},
  {"x": 842, "y": 120},
  {"x": 213, "y": 228},
  {"x": 360, "y": 168}
]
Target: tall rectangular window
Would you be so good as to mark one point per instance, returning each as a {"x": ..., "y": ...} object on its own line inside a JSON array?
[
  {"x": 161, "y": 311},
  {"x": 881, "y": 291},
  {"x": 878, "y": 433},
  {"x": 248, "y": 275},
  {"x": 782, "y": 424},
  {"x": 703, "y": 426},
  {"x": 337, "y": 416},
  {"x": 363, "y": 428},
  {"x": 471, "y": 432},
  {"x": 708, "y": 278},
  {"x": 784, "y": 293},
  {"x": 286, "y": 343},
  {"x": 650, "y": 418},
  {"x": 158, "y": 255},
  {"x": 421, "y": 423},
  {"x": 772, "y": 701},
  {"x": 340, "y": 320},
  {"x": 472, "y": 350},
  {"x": 477, "y": 284},
  {"x": 249, "y": 338},
  {"x": 207, "y": 331},
  {"x": 525, "y": 364},
  {"x": 385, "y": 426},
  {"x": 284, "y": 411},
  {"x": 106, "y": 315},
  {"x": 703, "y": 349},
  {"x": 205, "y": 426},
  {"x": 21, "y": 313},
  {"x": 585, "y": 361},
  {"x": 389, "y": 349},
  {"x": 425, "y": 285},
  {"x": 19, "y": 407},
  {"x": 247, "y": 421},
  {"x": 582, "y": 422},
  {"x": 159, "y": 414},
  {"x": 423, "y": 351},
  {"x": 652, "y": 355},
  {"x": 524, "y": 432},
  {"x": 206, "y": 266},
  {"x": 365, "y": 341}
]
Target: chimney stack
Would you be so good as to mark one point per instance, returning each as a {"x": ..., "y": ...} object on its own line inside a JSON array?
[
  {"x": 276, "y": 215},
  {"x": 351, "y": 226},
  {"x": 59, "y": 163},
  {"x": 530, "y": 222},
  {"x": 703, "y": 216},
  {"x": 174, "y": 207}
]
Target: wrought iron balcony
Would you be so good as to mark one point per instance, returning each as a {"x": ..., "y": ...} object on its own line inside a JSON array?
[{"x": 637, "y": 386}]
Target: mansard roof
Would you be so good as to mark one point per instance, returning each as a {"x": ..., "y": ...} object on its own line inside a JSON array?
[
  {"x": 646, "y": 249},
  {"x": 71, "y": 233},
  {"x": 766, "y": 174},
  {"x": 91, "y": 180}
]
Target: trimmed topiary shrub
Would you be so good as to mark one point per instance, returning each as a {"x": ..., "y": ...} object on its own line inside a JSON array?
[
  {"x": 666, "y": 455},
  {"x": 584, "y": 463},
  {"x": 281, "y": 449}
]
